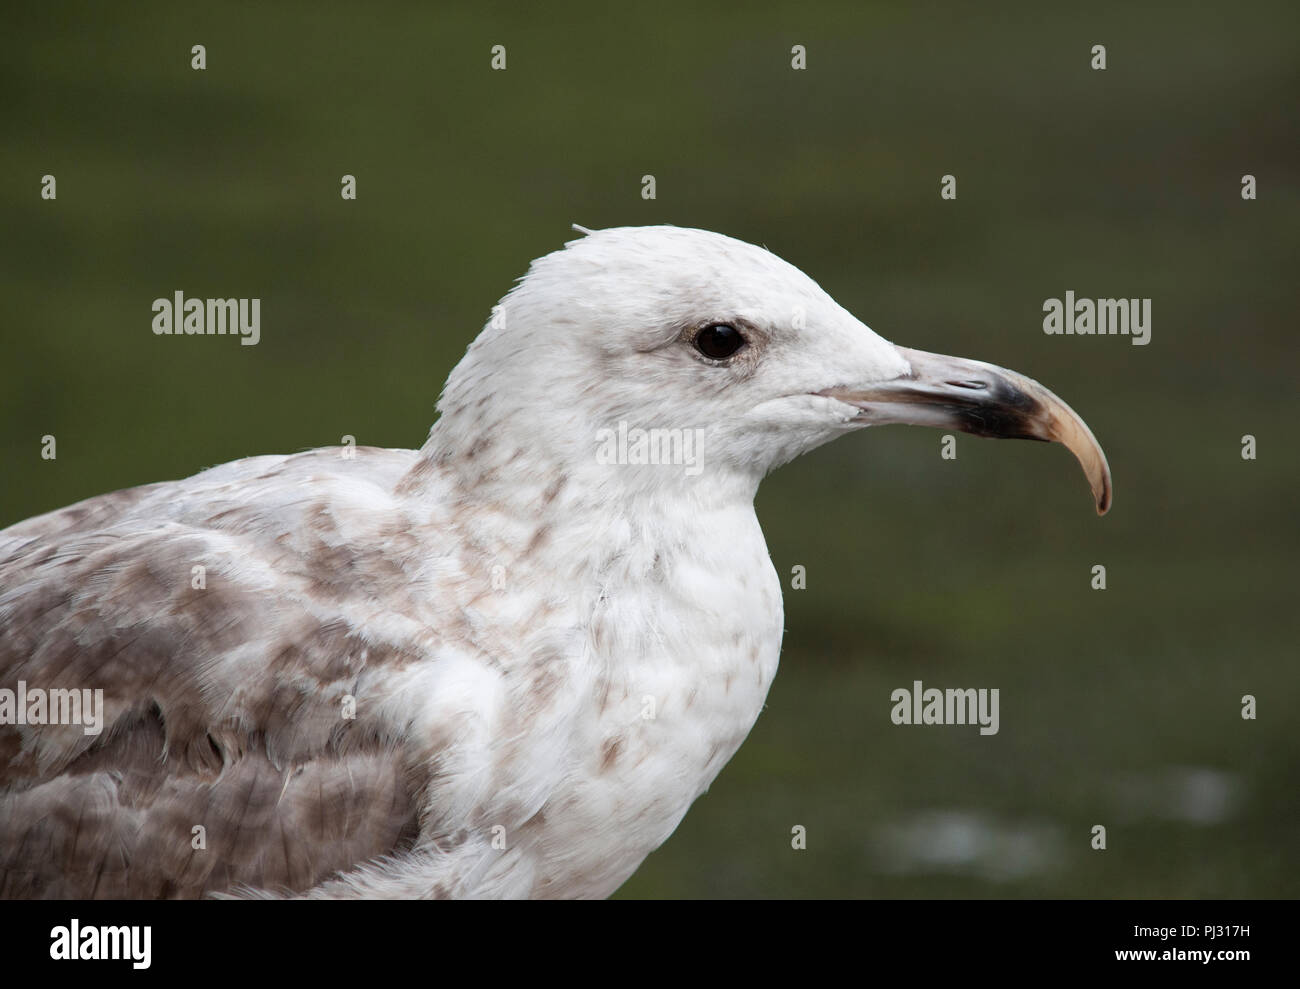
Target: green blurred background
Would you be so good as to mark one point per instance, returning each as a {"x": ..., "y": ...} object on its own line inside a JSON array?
[{"x": 1119, "y": 708}]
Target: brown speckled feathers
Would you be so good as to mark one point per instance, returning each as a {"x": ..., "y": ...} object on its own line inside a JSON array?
[{"x": 223, "y": 758}]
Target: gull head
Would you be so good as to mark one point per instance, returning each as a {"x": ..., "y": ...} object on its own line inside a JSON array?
[{"x": 633, "y": 342}]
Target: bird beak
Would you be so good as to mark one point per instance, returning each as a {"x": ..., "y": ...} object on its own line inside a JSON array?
[{"x": 979, "y": 398}]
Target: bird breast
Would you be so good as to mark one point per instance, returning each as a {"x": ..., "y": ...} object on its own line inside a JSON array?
[
  {"x": 639, "y": 687},
  {"x": 684, "y": 658}
]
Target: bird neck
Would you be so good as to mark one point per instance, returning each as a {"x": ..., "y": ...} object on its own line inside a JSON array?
[{"x": 641, "y": 474}]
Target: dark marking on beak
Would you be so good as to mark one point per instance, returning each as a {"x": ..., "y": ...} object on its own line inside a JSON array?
[{"x": 983, "y": 400}]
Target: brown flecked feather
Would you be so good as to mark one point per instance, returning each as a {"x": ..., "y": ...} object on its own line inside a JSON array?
[{"x": 286, "y": 790}]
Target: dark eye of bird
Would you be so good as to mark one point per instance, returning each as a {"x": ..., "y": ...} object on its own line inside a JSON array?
[{"x": 718, "y": 341}]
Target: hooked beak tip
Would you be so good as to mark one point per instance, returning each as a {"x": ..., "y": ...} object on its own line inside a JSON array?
[{"x": 984, "y": 400}]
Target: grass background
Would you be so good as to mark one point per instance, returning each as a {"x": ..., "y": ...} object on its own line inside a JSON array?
[{"x": 1118, "y": 707}]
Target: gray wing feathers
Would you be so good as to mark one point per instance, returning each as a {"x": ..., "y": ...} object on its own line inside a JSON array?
[{"x": 226, "y": 757}]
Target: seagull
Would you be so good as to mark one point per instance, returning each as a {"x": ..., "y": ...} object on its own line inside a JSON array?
[{"x": 502, "y": 665}]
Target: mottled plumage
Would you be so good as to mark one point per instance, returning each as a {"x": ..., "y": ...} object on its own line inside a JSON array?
[{"x": 549, "y": 657}]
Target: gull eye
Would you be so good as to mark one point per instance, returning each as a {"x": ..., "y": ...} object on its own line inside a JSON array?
[{"x": 718, "y": 341}]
